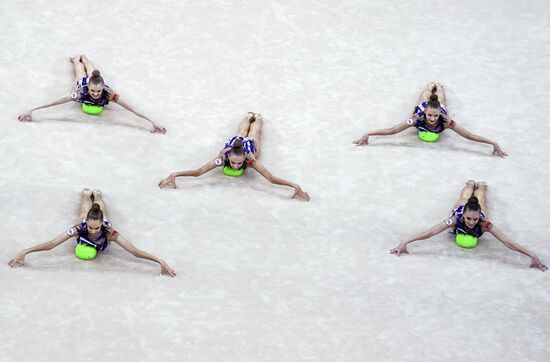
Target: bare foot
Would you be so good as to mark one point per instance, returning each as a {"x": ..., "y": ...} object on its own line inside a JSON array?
[
  {"x": 471, "y": 183},
  {"x": 75, "y": 58},
  {"x": 96, "y": 195},
  {"x": 258, "y": 117},
  {"x": 482, "y": 185},
  {"x": 88, "y": 193}
]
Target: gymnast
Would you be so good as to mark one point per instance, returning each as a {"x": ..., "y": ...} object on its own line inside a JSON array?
[
  {"x": 431, "y": 118},
  {"x": 93, "y": 233},
  {"x": 90, "y": 90},
  {"x": 468, "y": 221},
  {"x": 239, "y": 153}
]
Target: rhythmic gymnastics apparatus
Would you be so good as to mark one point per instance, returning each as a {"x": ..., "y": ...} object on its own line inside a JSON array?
[
  {"x": 468, "y": 221},
  {"x": 239, "y": 153},
  {"x": 93, "y": 233},
  {"x": 90, "y": 90},
  {"x": 430, "y": 117}
]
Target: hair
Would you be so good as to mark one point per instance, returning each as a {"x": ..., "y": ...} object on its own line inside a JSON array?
[
  {"x": 472, "y": 204},
  {"x": 96, "y": 78},
  {"x": 433, "y": 102},
  {"x": 95, "y": 213},
  {"x": 237, "y": 148}
]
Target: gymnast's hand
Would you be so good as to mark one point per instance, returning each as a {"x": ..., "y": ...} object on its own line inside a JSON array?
[
  {"x": 363, "y": 140},
  {"x": 166, "y": 270},
  {"x": 536, "y": 263},
  {"x": 400, "y": 249},
  {"x": 299, "y": 194},
  {"x": 18, "y": 261},
  {"x": 497, "y": 151},
  {"x": 158, "y": 129},
  {"x": 170, "y": 181},
  {"x": 25, "y": 117}
]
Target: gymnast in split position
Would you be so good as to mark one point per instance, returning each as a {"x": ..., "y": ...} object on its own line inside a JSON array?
[
  {"x": 240, "y": 152},
  {"x": 91, "y": 91},
  {"x": 430, "y": 117},
  {"x": 93, "y": 233},
  {"x": 468, "y": 221}
]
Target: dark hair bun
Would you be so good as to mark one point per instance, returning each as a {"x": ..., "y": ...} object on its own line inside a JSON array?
[
  {"x": 473, "y": 200},
  {"x": 238, "y": 144},
  {"x": 96, "y": 207},
  {"x": 433, "y": 97},
  {"x": 95, "y": 73}
]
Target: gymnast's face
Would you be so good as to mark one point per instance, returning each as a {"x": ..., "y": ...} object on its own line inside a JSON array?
[
  {"x": 471, "y": 218},
  {"x": 432, "y": 114},
  {"x": 235, "y": 161},
  {"x": 95, "y": 90},
  {"x": 94, "y": 227}
]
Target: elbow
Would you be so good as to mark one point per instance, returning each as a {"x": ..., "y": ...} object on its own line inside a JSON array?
[
  {"x": 426, "y": 236},
  {"x": 134, "y": 251},
  {"x": 510, "y": 244},
  {"x": 273, "y": 180},
  {"x": 189, "y": 173},
  {"x": 50, "y": 245},
  {"x": 430, "y": 233}
]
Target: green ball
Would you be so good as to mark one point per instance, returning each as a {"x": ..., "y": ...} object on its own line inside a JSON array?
[
  {"x": 229, "y": 171},
  {"x": 91, "y": 109},
  {"x": 428, "y": 136},
  {"x": 466, "y": 241},
  {"x": 85, "y": 252}
]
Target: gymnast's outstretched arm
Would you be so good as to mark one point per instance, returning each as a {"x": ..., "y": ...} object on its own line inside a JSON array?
[
  {"x": 473, "y": 137},
  {"x": 156, "y": 127},
  {"x": 298, "y": 193},
  {"x": 27, "y": 116},
  {"x": 164, "y": 268},
  {"x": 19, "y": 259},
  {"x": 364, "y": 140},
  {"x": 402, "y": 247},
  {"x": 535, "y": 261},
  {"x": 170, "y": 181}
]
